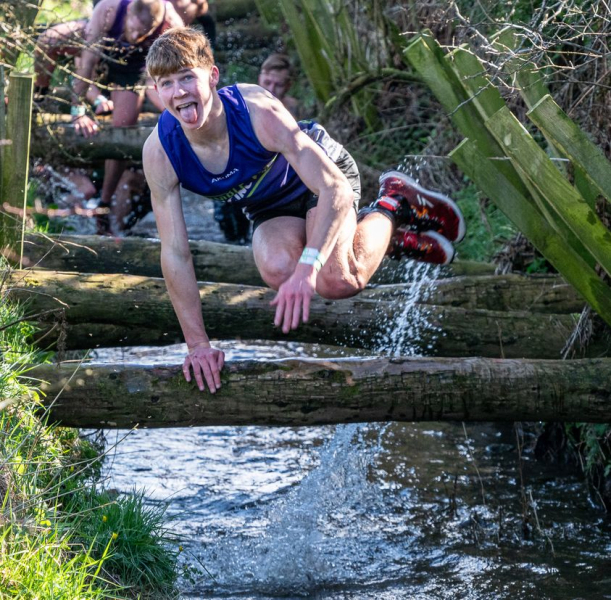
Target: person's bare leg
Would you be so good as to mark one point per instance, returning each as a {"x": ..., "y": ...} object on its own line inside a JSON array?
[
  {"x": 357, "y": 255},
  {"x": 360, "y": 248},
  {"x": 65, "y": 39},
  {"x": 277, "y": 245},
  {"x": 131, "y": 185},
  {"x": 127, "y": 106}
]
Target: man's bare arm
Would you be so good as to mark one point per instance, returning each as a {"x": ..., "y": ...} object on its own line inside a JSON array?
[
  {"x": 277, "y": 131},
  {"x": 177, "y": 266},
  {"x": 99, "y": 24}
]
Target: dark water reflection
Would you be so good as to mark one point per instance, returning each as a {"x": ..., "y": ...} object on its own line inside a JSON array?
[{"x": 422, "y": 511}]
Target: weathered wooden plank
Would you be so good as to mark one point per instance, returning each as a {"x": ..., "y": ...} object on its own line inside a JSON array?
[
  {"x": 568, "y": 262},
  {"x": 555, "y": 123},
  {"x": 427, "y": 58},
  {"x": 530, "y": 83},
  {"x": 212, "y": 261},
  {"x": 561, "y": 195},
  {"x": 487, "y": 99},
  {"x": 316, "y": 392},
  {"x": 15, "y": 161},
  {"x": 120, "y": 310}
]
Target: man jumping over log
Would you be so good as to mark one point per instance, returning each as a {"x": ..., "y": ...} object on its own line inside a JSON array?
[{"x": 298, "y": 186}]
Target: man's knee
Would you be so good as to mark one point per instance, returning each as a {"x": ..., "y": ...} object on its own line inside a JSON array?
[
  {"x": 276, "y": 268},
  {"x": 333, "y": 287}
]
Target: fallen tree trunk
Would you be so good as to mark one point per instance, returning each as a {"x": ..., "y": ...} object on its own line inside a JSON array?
[
  {"x": 316, "y": 392},
  {"x": 55, "y": 139},
  {"x": 212, "y": 261},
  {"x": 120, "y": 310}
]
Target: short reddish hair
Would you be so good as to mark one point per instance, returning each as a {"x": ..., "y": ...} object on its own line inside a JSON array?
[{"x": 179, "y": 48}]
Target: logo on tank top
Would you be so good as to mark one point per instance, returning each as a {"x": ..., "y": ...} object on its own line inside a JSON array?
[{"x": 226, "y": 176}]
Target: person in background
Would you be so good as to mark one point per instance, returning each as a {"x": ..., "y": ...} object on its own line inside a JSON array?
[
  {"x": 276, "y": 76},
  {"x": 197, "y": 14},
  {"x": 118, "y": 35}
]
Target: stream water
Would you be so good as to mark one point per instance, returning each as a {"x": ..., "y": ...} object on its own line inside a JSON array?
[
  {"x": 409, "y": 511},
  {"x": 364, "y": 512}
]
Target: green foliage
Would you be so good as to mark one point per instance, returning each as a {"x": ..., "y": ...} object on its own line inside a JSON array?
[
  {"x": 488, "y": 228},
  {"x": 59, "y": 537},
  {"x": 144, "y": 552},
  {"x": 41, "y": 563}
]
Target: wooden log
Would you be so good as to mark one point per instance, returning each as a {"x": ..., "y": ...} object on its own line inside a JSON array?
[
  {"x": 121, "y": 310},
  {"x": 563, "y": 257},
  {"x": 316, "y": 392},
  {"x": 57, "y": 140},
  {"x": 555, "y": 123},
  {"x": 212, "y": 261}
]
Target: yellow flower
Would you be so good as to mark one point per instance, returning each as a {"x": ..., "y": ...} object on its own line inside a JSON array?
[
  {"x": 115, "y": 536},
  {"x": 104, "y": 518},
  {"x": 46, "y": 523},
  {"x": 180, "y": 548}
]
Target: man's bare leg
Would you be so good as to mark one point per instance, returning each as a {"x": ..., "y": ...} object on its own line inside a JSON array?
[
  {"x": 127, "y": 108},
  {"x": 360, "y": 248},
  {"x": 357, "y": 255}
]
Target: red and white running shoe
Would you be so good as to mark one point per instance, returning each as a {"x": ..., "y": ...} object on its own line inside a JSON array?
[
  {"x": 427, "y": 246},
  {"x": 418, "y": 208}
]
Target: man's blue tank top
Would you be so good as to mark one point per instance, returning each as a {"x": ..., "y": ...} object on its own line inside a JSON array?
[{"x": 255, "y": 178}]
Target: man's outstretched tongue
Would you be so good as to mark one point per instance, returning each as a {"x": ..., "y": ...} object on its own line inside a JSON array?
[{"x": 189, "y": 113}]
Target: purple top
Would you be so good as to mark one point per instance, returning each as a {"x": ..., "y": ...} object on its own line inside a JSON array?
[{"x": 254, "y": 179}]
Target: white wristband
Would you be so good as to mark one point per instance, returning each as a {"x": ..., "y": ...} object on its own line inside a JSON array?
[
  {"x": 311, "y": 256},
  {"x": 78, "y": 111},
  {"x": 101, "y": 98}
]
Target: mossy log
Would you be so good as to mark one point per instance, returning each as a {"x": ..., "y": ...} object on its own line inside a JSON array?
[
  {"x": 120, "y": 310},
  {"x": 316, "y": 392},
  {"x": 54, "y": 138},
  {"x": 212, "y": 261}
]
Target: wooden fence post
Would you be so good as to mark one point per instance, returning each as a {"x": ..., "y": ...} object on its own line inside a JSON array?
[{"x": 15, "y": 164}]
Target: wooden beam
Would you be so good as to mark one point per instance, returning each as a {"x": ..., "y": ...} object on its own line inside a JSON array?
[
  {"x": 315, "y": 392},
  {"x": 15, "y": 163},
  {"x": 121, "y": 310},
  {"x": 57, "y": 140},
  {"x": 212, "y": 261}
]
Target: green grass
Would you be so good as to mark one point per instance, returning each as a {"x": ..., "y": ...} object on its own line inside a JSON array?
[{"x": 61, "y": 537}]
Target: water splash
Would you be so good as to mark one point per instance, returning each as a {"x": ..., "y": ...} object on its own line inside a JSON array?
[
  {"x": 298, "y": 550},
  {"x": 406, "y": 329}
]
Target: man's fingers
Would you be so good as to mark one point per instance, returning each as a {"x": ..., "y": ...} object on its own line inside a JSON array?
[
  {"x": 289, "y": 307},
  {"x": 197, "y": 372},
  {"x": 279, "y": 302},
  {"x": 296, "y": 314},
  {"x": 220, "y": 360},
  {"x": 208, "y": 375},
  {"x": 306, "y": 308},
  {"x": 186, "y": 369}
]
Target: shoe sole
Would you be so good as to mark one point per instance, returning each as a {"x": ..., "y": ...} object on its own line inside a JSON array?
[{"x": 462, "y": 227}]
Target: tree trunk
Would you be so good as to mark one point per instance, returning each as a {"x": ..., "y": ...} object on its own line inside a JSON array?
[
  {"x": 56, "y": 140},
  {"x": 121, "y": 310},
  {"x": 212, "y": 261},
  {"x": 315, "y": 392}
]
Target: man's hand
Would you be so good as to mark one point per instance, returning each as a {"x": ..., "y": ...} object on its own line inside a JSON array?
[
  {"x": 206, "y": 363},
  {"x": 292, "y": 301},
  {"x": 85, "y": 126},
  {"x": 103, "y": 105}
]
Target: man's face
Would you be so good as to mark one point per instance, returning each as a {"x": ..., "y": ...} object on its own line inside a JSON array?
[
  {"x": 276, "y": 82},
  {"x": 188, "y": 94}
]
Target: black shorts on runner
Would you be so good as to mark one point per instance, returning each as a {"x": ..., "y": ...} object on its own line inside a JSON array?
[{"x": 308, "y": 200}]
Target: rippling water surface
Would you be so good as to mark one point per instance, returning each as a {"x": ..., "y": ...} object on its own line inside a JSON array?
[{"x": 422, "y": 511}]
